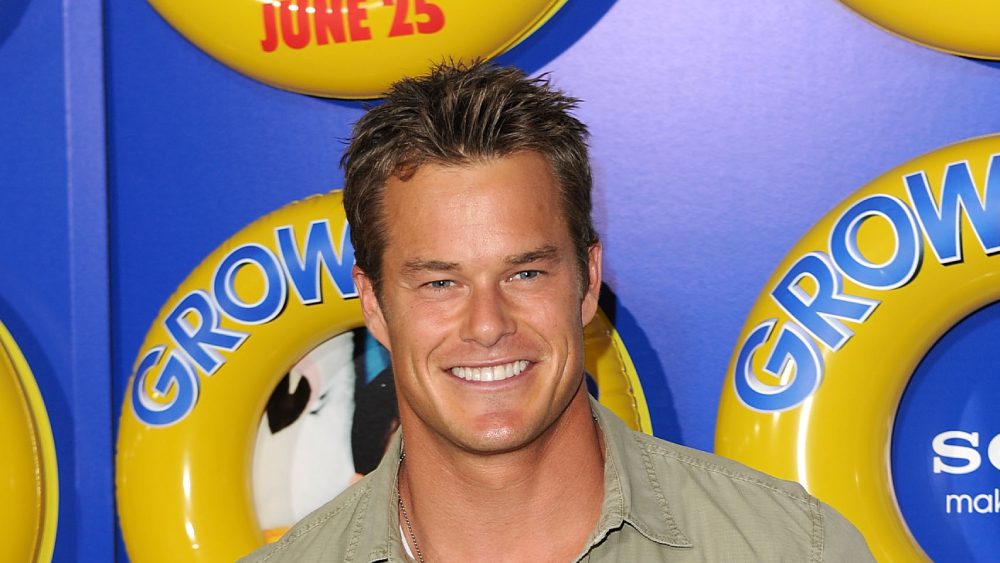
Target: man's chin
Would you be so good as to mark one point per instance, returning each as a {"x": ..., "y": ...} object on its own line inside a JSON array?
[{"x": 497, "y": 439}]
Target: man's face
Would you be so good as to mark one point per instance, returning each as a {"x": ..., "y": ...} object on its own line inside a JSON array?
[{"x": 481, "y": 305}]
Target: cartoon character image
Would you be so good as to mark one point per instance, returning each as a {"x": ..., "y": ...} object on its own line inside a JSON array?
[{"x": 326, "y": 424}]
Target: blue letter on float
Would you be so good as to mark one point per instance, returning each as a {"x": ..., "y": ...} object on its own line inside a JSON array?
[
  {"x": 903, "y": 264},
  {"x": 201, "y": 343},
  {"x": 794, "y": 360},
  {"x": 275, "y": 289},
  {"x": 818, "y": 313},
  {"x": 304, "y": 271},
  {"x": 175, "y": 373},
  {"x": 943, "y": 224}
]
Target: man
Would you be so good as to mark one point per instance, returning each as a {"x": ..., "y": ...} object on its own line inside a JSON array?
[{"x": 468, "y": 193}]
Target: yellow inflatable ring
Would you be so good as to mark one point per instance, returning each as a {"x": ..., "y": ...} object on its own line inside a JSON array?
[
  {"x": 350, "y": 48},
  {"x": 29, "y": 479},
  {"x": 960, "y": 27},
  {"x": 241, "y": 319},
  {"x": 813, "y": 386}
]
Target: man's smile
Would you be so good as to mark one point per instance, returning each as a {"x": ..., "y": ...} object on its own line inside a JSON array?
[{"x": 490, "y": 373}]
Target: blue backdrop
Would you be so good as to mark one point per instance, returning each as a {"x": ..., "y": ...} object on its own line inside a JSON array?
[{"x": 721, "y": 132}]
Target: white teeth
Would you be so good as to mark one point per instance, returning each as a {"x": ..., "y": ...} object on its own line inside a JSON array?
[{"x": 492, "y": 373}]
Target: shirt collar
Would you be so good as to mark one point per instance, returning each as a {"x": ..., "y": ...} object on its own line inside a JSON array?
[
  {"x": 633, "y": 494},
  {"x": 381, "y": 539}
]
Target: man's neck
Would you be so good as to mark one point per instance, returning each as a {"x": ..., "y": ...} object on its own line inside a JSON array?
[{"x": 540, "y": 502}]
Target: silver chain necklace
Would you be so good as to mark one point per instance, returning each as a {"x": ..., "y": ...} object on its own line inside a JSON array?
[{"x": 406, "y": 518}]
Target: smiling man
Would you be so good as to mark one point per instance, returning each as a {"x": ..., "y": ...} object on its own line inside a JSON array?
[{"x": 468, "y": 194}]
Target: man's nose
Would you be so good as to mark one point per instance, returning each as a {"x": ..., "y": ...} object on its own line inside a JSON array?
[{"x": 487, "y": 317}]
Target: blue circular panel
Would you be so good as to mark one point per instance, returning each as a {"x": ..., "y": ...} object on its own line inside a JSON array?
[{"x": 947, "y": 485}]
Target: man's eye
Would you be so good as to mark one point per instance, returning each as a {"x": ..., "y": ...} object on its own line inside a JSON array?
[
  {"x": 440, "y": 284},
  {"x": 527, "y": 275}
]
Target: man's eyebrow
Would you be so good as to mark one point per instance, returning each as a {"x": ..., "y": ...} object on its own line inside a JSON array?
[
  {"x": 539, "y": 254},
  {"x": 418, "y": 265}
]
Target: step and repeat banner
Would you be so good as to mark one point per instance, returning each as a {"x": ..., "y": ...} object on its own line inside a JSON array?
[
  {"x": 28, "y": 472},
  {"x": 350, "y": 48},
  {"x": 801, "y": 216},
  {"x": 849, "y": 318}
]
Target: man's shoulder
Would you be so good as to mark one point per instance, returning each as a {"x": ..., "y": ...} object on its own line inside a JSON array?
[
  {"x": 676, "y": 462},
  {"x": 726, "y": 508},
  {"x": 330, "y": 533}
]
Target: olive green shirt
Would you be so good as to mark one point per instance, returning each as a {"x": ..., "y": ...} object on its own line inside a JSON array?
[{"x": 662, "y": 502}]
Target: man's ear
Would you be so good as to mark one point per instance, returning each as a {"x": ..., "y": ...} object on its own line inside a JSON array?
[
  {"x": 588, "y": 308},
  {"x": 370, "y": 307}
]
